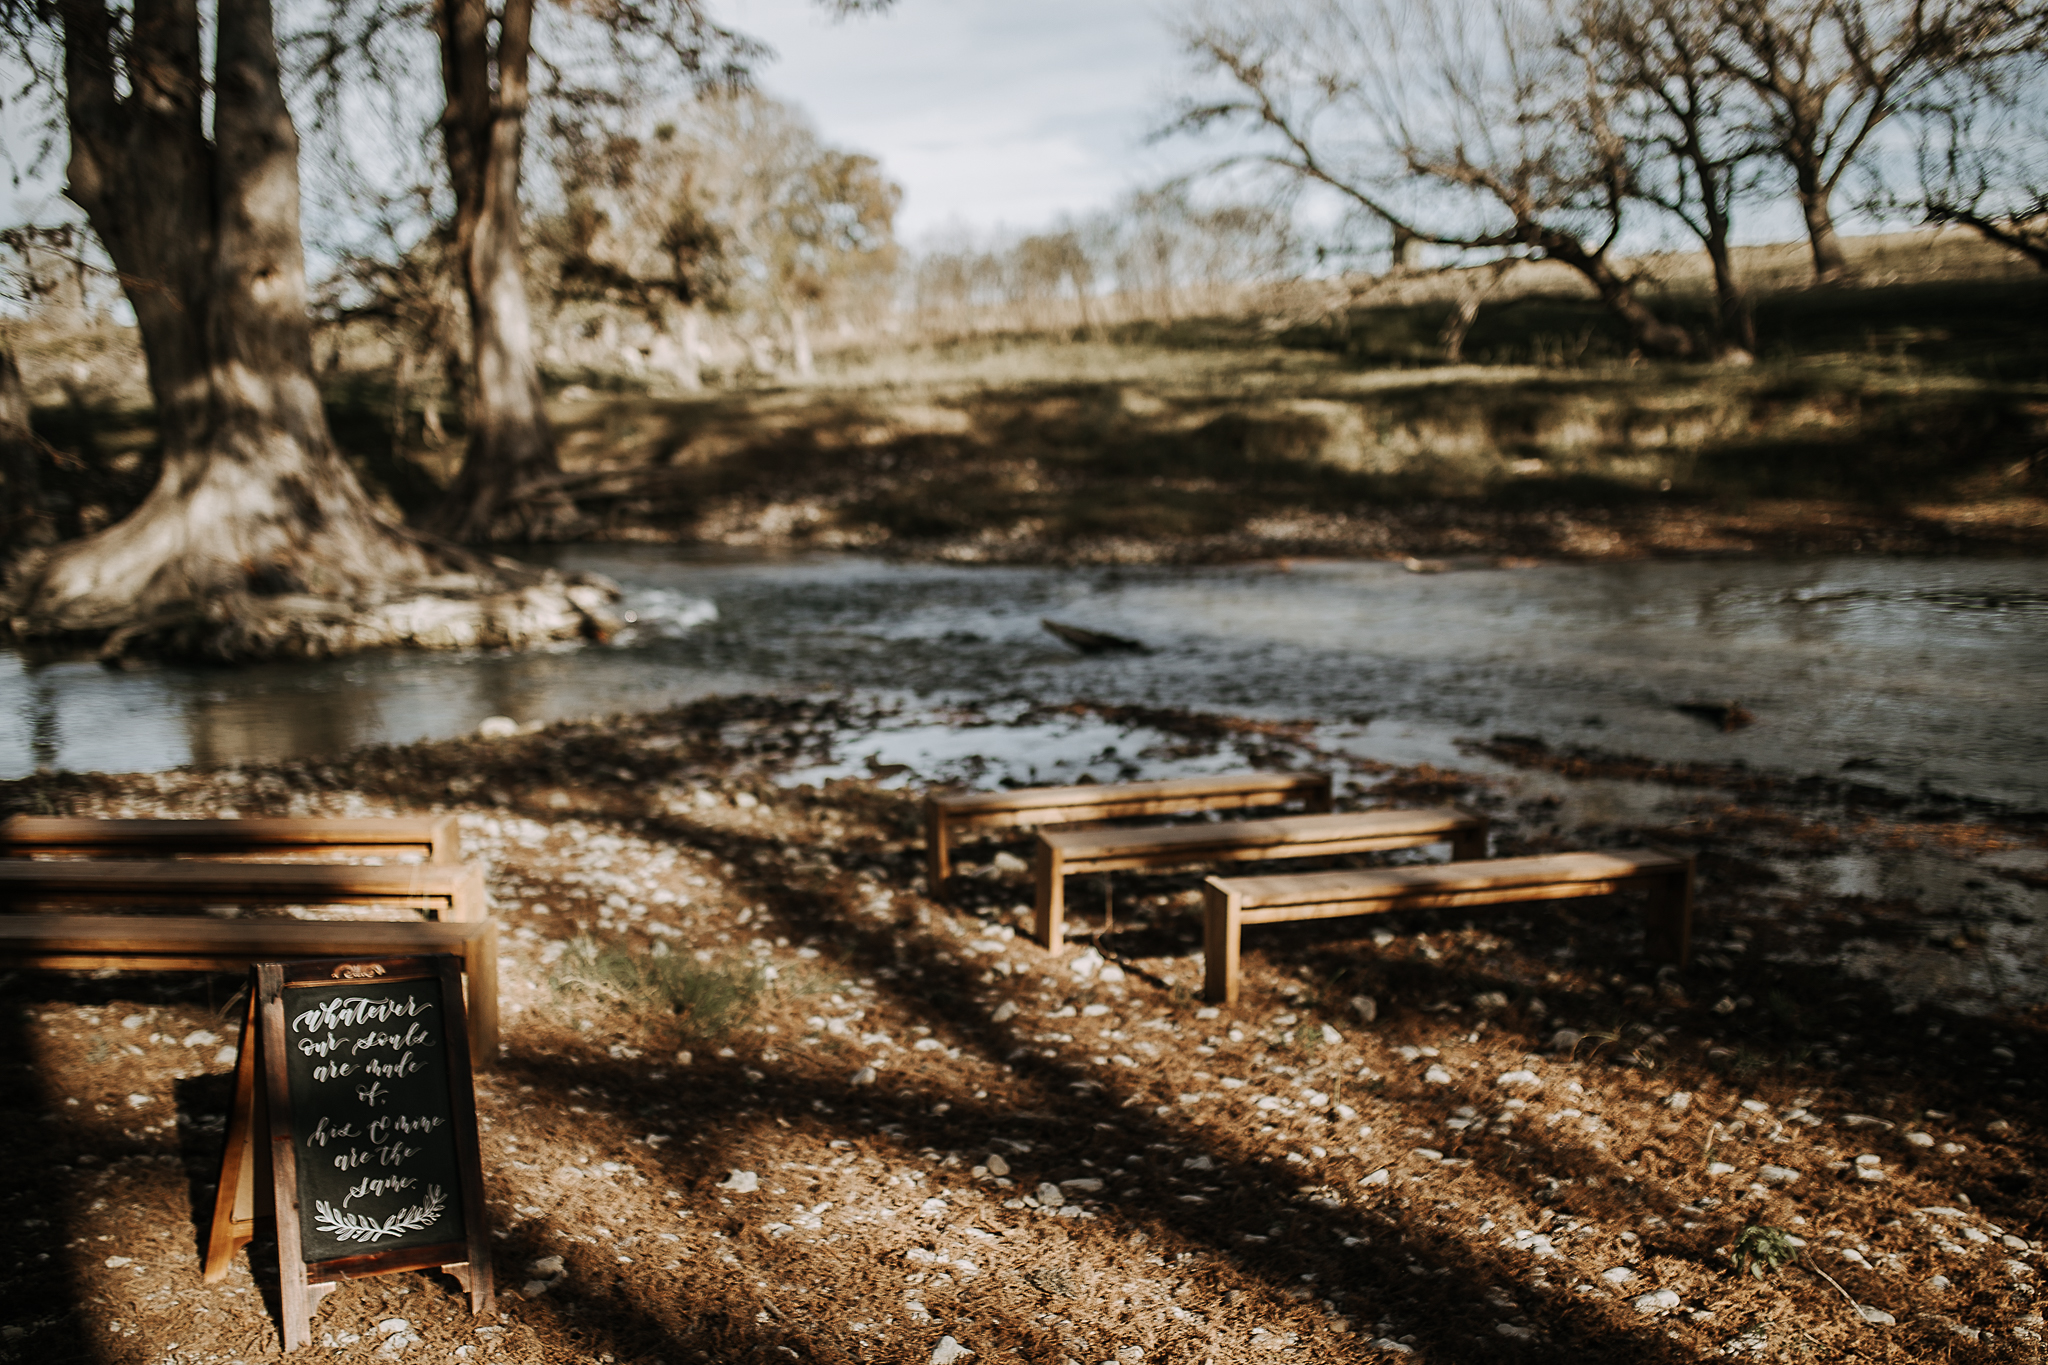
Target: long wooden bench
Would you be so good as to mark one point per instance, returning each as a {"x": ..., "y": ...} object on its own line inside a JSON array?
[
  {"x": 448, "y": 891},
  {"x": 1231, "y": 903},
  {"x": 436, "y": 839},
  {"x": 945, "y": 812},
  {"x": 189, "y": 943},
  {"x": 1069, "y": 852}
]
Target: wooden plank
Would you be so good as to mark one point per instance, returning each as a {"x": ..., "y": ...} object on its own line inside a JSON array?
[
  {"x": 422, "y": 885},
  {"x": 1498, "y": 872},
  {"x": 234, "y": 1224},
  {"x": 968, "y": 805},
  {"x": 436, "y": 838},
  {"x": 1064, "y": 853},
  {"x": 295, "y": 1303}
]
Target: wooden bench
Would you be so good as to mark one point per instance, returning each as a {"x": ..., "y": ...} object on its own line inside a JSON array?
[
  {"x": 190, "y": 943},
  {"x": 1068, "y": 852},
  {"x": 946, "y": 812},
  {"x": 1231, "y": 903},
  {"x": 448, "y": 891},
  {"x": 435, "y": 839}
]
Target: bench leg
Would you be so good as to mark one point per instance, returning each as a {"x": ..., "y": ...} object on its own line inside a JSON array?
[
  {"x": 1667, "y": 918},
  {"x": 480, "y": 965},
  {"x": 1049, "y": 920},
  {"x": 1321, "y": 798},
  {"x": 1222, "y": 933},
  {"x": 1468, "y": 845},
  {"x": 938, "y": 865}
]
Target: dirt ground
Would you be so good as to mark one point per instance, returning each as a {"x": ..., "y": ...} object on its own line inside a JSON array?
[{"x": 1451, "y": 1137}]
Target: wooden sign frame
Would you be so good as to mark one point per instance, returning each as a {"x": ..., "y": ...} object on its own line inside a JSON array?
[{"x": 259, "y": 1170}]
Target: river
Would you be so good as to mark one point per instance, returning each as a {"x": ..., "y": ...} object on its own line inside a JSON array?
[{"x": 1907, "y": 673}]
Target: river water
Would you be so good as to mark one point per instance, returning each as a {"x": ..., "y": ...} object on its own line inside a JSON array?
[{"x": 1905, "y": 673}]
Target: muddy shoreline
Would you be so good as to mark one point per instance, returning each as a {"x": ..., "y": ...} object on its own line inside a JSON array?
[{"x": 918, "y": 1126}]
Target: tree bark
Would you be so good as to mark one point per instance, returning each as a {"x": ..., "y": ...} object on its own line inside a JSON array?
[
  {"x": 1830, "y": 266},
  {"x": 257, "y": 539},
  {"x": 505, "y": 489}
]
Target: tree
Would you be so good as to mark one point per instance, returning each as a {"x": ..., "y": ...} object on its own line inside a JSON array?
[
  {"x": 257, "y": 538},
  {"x": 1680, "y": 106},
  {"x": 1828, "y": 73},
  {"x": 1462, "y": 125},
  {"x": 1982, "y": 158}
]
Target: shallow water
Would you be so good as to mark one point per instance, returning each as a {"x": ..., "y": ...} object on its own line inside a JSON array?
[{"x": 1903, "y": 672}]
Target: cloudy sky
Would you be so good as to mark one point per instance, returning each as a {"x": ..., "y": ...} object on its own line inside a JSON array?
[{"x": 987, "y": 112}]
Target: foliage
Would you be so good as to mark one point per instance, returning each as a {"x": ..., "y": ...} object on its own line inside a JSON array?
[
  {"x": 1760, "y": 1248},
  {"x": 707, "y": 999}
]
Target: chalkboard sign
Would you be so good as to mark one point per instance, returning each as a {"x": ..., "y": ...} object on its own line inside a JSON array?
[{"x": 369, "y": 1124}]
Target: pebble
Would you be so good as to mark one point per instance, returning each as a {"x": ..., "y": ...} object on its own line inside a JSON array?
[
  {"x": 1508, "y": 1329},
  {"x": 546, "y": 1265},
  {"x": 226, "y": 1057},
  {"x": 741, "y": 1182},
  {"x": 1378, "y": 1177},
  {"x": 948, "y": 1351},
  {"x": 1997, "y": 1127},
  {"x": 1004, "y": 1012},
  {"x": 1565, "y": 1039},
  {"x": 1719, "y": 1168},
  {"x": 116, "y": 1262},
  {"x": 1365, "y": 1008},
  {"x": 1678, "y": 1099},
  {"x": 390, "y": 1327},
  {"x": 996, "y": 1165},
  {"x": 1009, "y": 862},
  {"x": 1436, "y": 1075},
  {"x": 1876, "y": 1317},
  {"x": 1620, "y": 1274},
  {"x": 1049, "y": 1195},
  {"x": 1937, "y": 1282},
  {"x": 1920, "y": 1139},
  {"x": 864, "y": 1076},
  {"x": 497, "y": 727},
  {"x": 1486, "y": 1002},
  {"x": 1656, "y": 1301},
  {"x": 1331, "y": 1037},
  {"x": 1086, "y": 964},
  {"x": 1523, "y": 1079},
  {"x": 1778, "y": 1175}
]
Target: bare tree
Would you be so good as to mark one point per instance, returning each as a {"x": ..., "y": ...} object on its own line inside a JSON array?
[
  {"x": 1683, "y": 108},
  {"x": 1982, "y": 157},
  {"x": 1465, "y": 125},
  {"x": 257, "y": 538},
  {"x": 1828, "y": 73}
]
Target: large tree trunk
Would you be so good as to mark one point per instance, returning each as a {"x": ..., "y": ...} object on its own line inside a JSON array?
[
  {"x": 257, "y": 540},
  {"x": 1648, "y": 333},
  {"x": 507, "y": 486},
  {"x": 1830, "y": 266}
]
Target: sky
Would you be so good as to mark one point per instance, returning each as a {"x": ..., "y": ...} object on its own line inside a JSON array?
[{"x": 988, "y": 112}]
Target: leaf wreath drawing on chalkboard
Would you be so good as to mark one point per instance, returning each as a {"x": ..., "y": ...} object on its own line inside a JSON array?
[{"x": 353, "y": 1227}]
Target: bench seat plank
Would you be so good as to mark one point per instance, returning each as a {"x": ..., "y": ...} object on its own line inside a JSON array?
[
  {"x": 1233, "y": 902},
  {"x": 434, "y": 838},
  {"x": 195, "y": 943},
  {"x": 1065, "y": 853},
  {"x": 455, "y": 891},
  {"x": 946, "y": 811}
]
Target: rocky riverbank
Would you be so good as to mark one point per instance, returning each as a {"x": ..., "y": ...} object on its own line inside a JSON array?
[{"x": 764, "y": 1098}]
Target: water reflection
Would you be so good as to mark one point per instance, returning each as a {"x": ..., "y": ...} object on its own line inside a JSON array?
[{"x": 1905, "y": 672}]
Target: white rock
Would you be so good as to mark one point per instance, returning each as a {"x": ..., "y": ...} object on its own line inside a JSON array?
[
  {"x": 1719, "y": 1168},
  {"x": 391, "y": 1327},
  {"x": 1508, "y": 1329},
  {"x": 1920, "y": 1139},
  {"x": 1565, "y": 1039},
  {"x": 927, "y": 1045},
  {"x": 996, "y": 1165},
  {"x": 1331, "y": 1036},
  {"x": 497, "y": 727},
  {"x": 1656, "y": 1301},
  {"x": 116, "y": 1262},
  {"x": 1525, "y": 1080},
  {"x": 1876, "y": 1317},
  {"x": 226, "y": 1056},
  {"x": 948, "y": 1351},
  {"x": 546, "y": 1265},
  {"x": 1009, "y": 862},
  {"x": 1003, "y": 1014},
  {"x": 1110, "y": 974},
  {"x": 1049, "y": 1196},
  {"x": 133, "y": 1021},
  {"x": 1937, "y": 1282},
  {"x": 1620, "y": 1274},
  {"x": 1365, "y": 1008},
  {"x": 864, "y": 1076},
  {"x": 201, "y": 1038},
  {"x": 533, "y": 1289},
  {"x": 1378, "y": 1177},
  {"x": 1678, "y": 1099},
  {"x": 1777, "y": 1175},
  {"x": 1436, "y": 1075},
  {"x": 1086, "y": 964},
  {"x": 1486, "y": 1002},
  {"x": 1085, "y": 1184},
  {"x": 741, "y": 1182}
]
